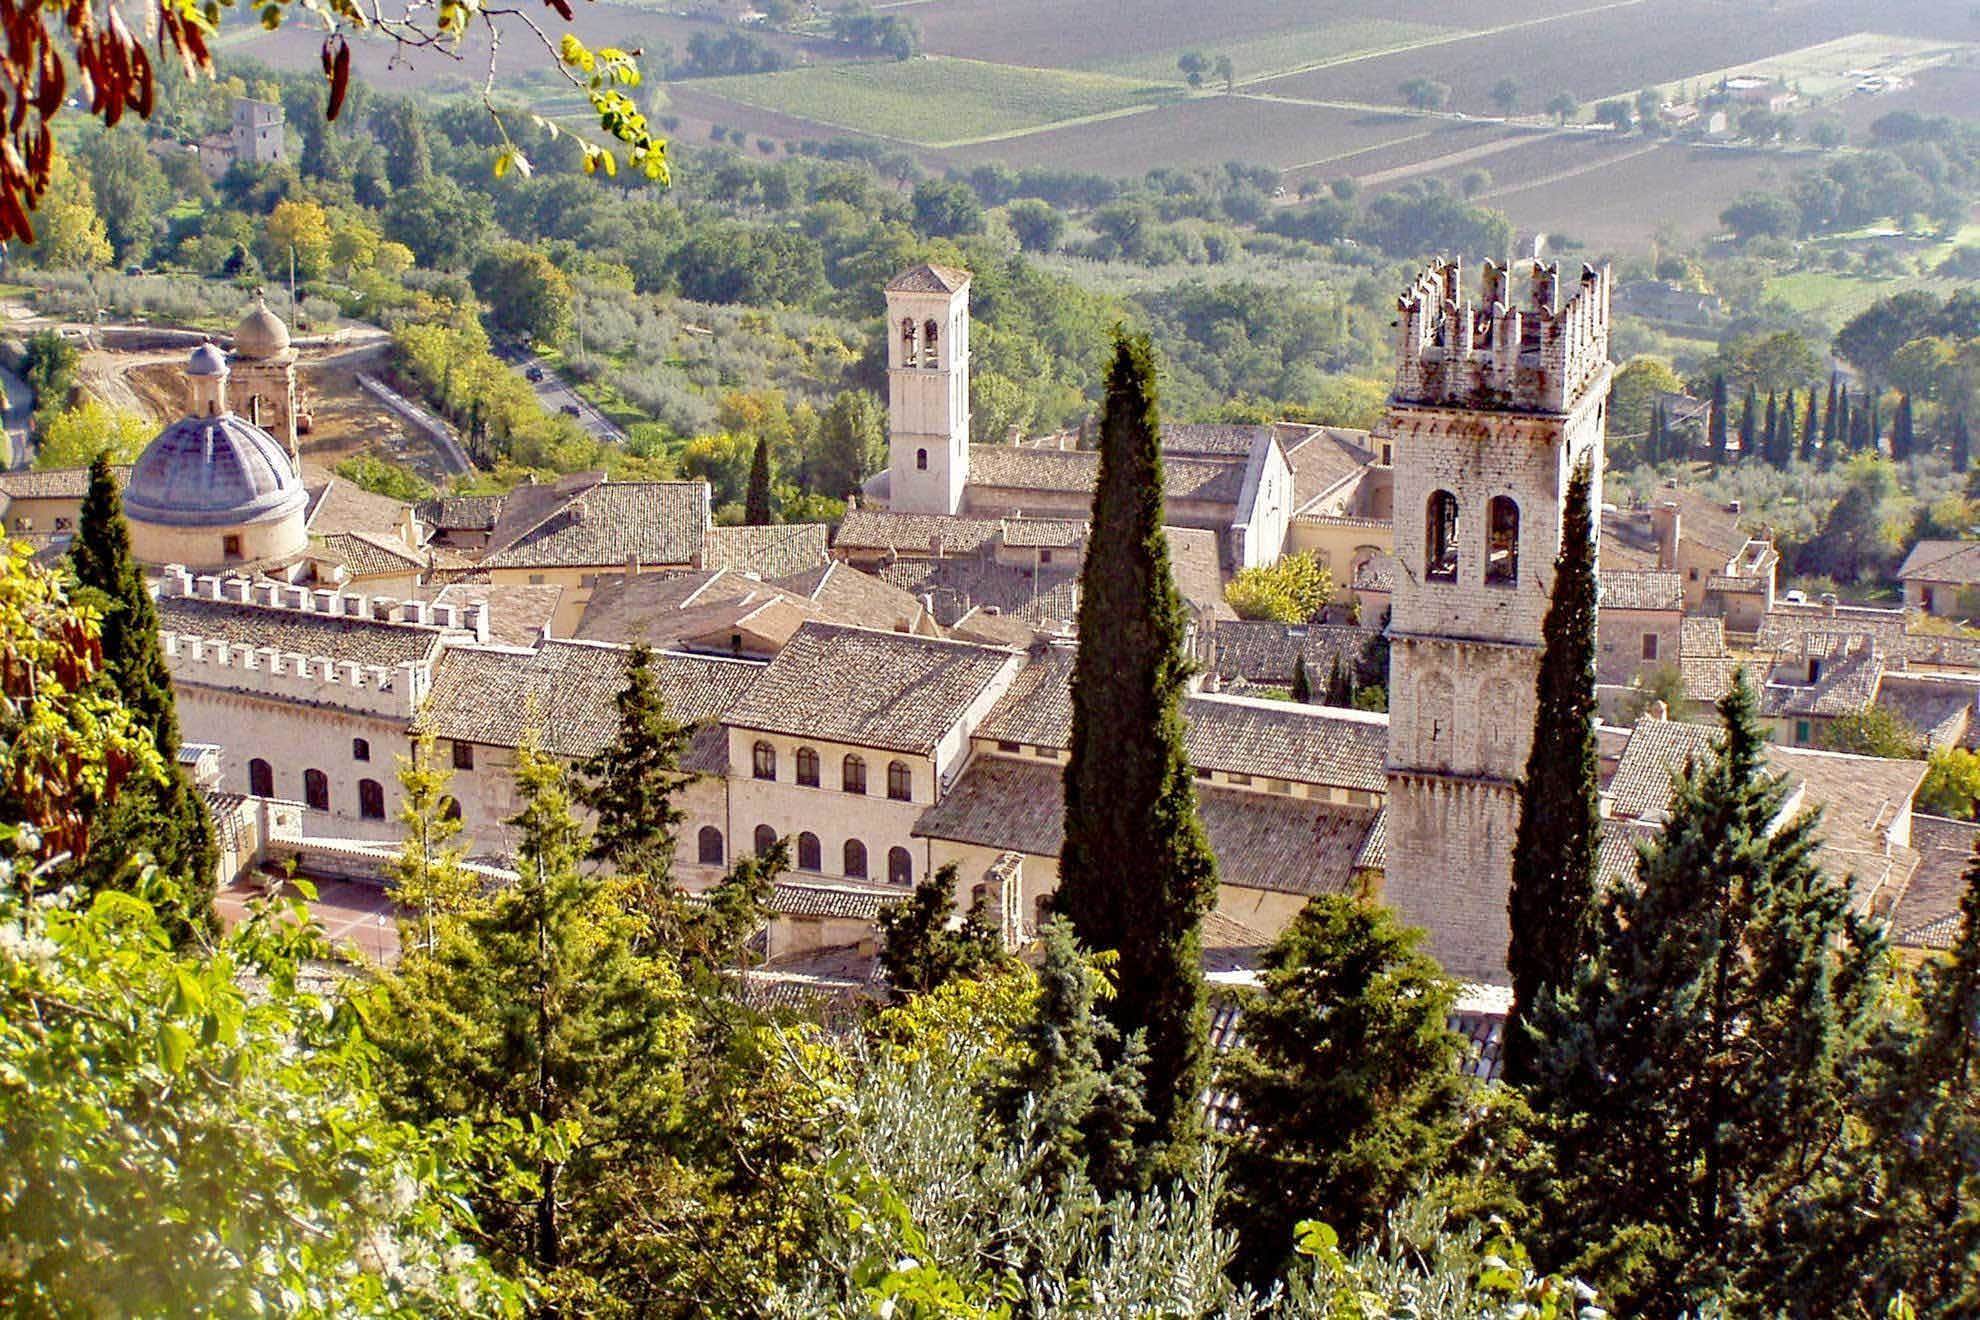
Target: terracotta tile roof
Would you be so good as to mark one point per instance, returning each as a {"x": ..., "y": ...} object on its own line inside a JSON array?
[
  {"x": 1073, "y": 471},
  {"x": 1657, "y": 749},
  {"x": 1942, "y": 652},
  {"x": 768, "y": 552},
  {"x": 1927, "y": 913},
  {"x": 518, "y": 613},
  {"x": 994, "y": 629},
  {"x": 462, "y": 513},
  {"x": 661, "y": 609},
  {"x": 1282, "y": 844},
  {"x": 929, "y": 278},
  {"x": 1196, "y": 565},
  {"x": 1851, "y": 669},
  {"x": 370, "y": 554},
  {"x": 301, "y": 632},
  {"x": 605, "y": 525},
  {"x": 1037, "y": 707},
  {"x": 958, "y": 586},
  {"x": 565, "y": 692},
  {"x": 869, "y": 688},
  {"x": 847, "y": 595},
  {"x": 1374, "y": 855},
  {"x": 1264, "y": 652},
  {"x": 1939, "y": 707},
  {"x": 54, "y": 483},
  {"x": 341, "y": 506},
  {"x": 1377, "y": 574},
  {"x": 1942, "y": 561},
  {"x": 1324, "y": 460},
  {"x": 795, "y": 898},
  {"x": 1787, "y": 624},
  {"x": 1641, "y": 589},
  {"x": 1043, "y": 533},
  {"x": 1280, "y": 740},
  {"x": 1231, "y": 440},
  {"x": 913, "y": 533}
]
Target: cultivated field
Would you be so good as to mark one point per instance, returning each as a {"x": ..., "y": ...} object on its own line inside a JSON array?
[
  {"x": 1279, "y": 52},
  {"x": 937, "y": 101},
  {"x": 1624, "y": 203}
]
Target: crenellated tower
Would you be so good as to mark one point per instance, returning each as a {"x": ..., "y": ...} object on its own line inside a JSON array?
[
  {"x": 1496, "y": 400},
  {"x": 928, "y": 389}
]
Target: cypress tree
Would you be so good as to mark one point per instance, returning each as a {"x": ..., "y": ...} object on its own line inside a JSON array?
[
  {"x": 1874, "y": 428},
  {"x": 1770, "y": 441},
  {"x": 1716, "y": 424},
  {"x": 1553, "y": 871},
  {"x": 1136, "y": 871},
  {"x": 631, "y": 782},
  {"x": 1302, "y": 686},
  {"x": 165, "y": 821},
  {"x": 1829, "y": 432},
  {"x": 1962, "y": 443},
  {"x": 756, "y": 506},
  {"x": 1696, "y": 1075},
  {"x": 1749, "y": 425},
  {"x": 1902, "y": 439},
  {"x": 1340, "y": 683},
  {"x": 1811, "y": 436}
]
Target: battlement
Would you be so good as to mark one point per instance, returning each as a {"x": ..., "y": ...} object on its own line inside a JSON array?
[
  {"x": 1545, "y": 355},
  {"x": 261, "y": 593},
  {"x": 394, "y": 692}
]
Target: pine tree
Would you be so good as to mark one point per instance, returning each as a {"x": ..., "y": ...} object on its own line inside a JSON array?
[
  {"x": 164, "y": 820},
  {"x": 1962, "y": 443},
  {"x": 536, "y": 1008},
  {"x": 919, "y": 952},
  {"x": 1064, "y": 1099},
  {"x": 1346, "y": 1077},
  {"x": 1553, "y": 871},
  {"x": 1136, "y": 871},
  {"x": 1697, "y": 1073},
  {"x": 427, "y": 878},
  {"x": 756, "y": 506},
  {"x": 1716, "y": 424},
  {"x": 1902, "y": 438},
  {"x": 1749, "y": 425},
  {"x": 1302, "y": 686},
  {"x": 1811, "y": 436},
  {"x": 631, "y": 782}
]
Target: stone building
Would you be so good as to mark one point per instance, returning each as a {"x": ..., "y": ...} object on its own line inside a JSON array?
[
  {"x": 1496, "y": 403},
  {"x": 263, "y": 374}
]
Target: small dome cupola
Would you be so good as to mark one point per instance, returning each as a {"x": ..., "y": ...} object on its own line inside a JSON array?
[
  {"x": 261, "y": 333},
  {"x": 206, "y": 373}
]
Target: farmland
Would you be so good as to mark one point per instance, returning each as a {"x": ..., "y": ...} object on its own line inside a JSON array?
[{"x": 1284, "y": 51}]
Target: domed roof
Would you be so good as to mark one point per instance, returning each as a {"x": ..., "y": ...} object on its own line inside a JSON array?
[
  {"x": 206, "y": 360},
  {"x": 213, "y": 472},
  {"x": 261, "y": 333}
]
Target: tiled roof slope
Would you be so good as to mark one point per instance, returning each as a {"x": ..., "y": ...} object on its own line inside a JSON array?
[
  {"x": 1074, "y": 471},
  {"x": 929, "y": 278},
  {"x": 846, "y": 594},
  {"x": 876, "y": 689},
  {"x": 610, "y": 524},
  {"x": 1233, "y": 440},
  {"x": 364, "y": 641},
  {"x": 913, "y": 533},
  {"x": 566, "y": 693},
  {"x": 1283, "y": 844},
  {"x": 54, "y": 483},
  {"x": 518, "y": 612},
  {"x": 770, "y": 552},
  {"x": 1927, "y": 913},
  {"x": 462, "y": 513},
  {"x": 1641, "y": 589},
  {"x": 341, "y": 506},
  {"x": 1942, "y": 561},
  {"x": 1264, "y": 652},
  {"x": 368, "y": 554}
]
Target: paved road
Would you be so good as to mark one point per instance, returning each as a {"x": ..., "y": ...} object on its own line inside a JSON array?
[
  {"x": 20, "y": 407},
  {"x": 556, "y": 395}
]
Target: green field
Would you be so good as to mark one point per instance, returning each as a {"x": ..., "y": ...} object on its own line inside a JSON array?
[
  {"x": 937, "y": 101},
  {"x": 1282, "y": 52}
]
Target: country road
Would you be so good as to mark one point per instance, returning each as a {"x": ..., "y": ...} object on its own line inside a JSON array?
[{"x": 556, "y": 395}]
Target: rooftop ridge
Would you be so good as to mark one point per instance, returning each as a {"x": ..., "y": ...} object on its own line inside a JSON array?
[
  {"x": 263, "y": 593},
  {"x": 1307, "y": 709},
  {"x": 1544, "y": 356}
]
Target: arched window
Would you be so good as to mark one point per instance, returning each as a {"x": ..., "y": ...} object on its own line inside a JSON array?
[
  {"x": 708, "y": 846},
  {"x": 450, "y": 807},
  {"x": 900, "y": 867},
  {"x": 810, "y": 856},
  {"x": 1440, "y": 537},
  {"x": 765, "y": 758},
  {"x": 1502, "y": 542},
  {"x": 855, "y": 859},
  {"x": 371, "y": 799},
  {"x": 261, "y": 778},
  {"x": 930, "y": 334},
  {"x": 900, "y": 783},
  {"x": 910, "y": 351},
  {"x": 360, "y": 750},
  {"x": 316, "y": 790},
  {"x": 921, "y": 460},
  {"x": 807, "y": 767},
  {"x": 852, "y": 774},
  {"x": 766, "y": 839}
]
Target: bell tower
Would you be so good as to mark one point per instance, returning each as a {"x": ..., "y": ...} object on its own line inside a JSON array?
[
  {"x": 927, "y": 389},
  {"x": 1496, "y": 402}
]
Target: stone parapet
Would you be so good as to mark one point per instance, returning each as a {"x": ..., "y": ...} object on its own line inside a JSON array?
[
  {"x": 1544, "y": 356},
  {"x": 394, "y": 692},
  {"x": 263, "y": 593}
]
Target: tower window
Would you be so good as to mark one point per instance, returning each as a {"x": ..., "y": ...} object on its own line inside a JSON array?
[
  {"x": 930, "y": 333},
  {"x": 1502, "y": 542},
  {"x": 910, "y": 350},
  {"x": 708, "y": 846},
  {"x": 1649, "y": 646},
  {"x": 900, "y": 784},
  {"x": 230, "y": 546},
  {"x": 921, "y": 460},
  {"x": 360, "y": 749},
  {"x": 1440, "y": 537},
  {"x": 900, "y": 867}
]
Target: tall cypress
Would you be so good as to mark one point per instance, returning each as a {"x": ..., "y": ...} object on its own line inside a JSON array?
[
  {"x": 1553, "y": 871},
  {"x": 1902, "y": 439},
  {"x": 756, "y": 508},
  {"x": 1770, "y": 433},
  {"x": 1657, "y": 448},
  {"x": 1716, "y": 424},
  {"x": 1302, "y": 686},
  {"x": 1749, "y": 424},
  {"x": 1136, "y": 871},
  {"x": 1811, "y": 436},
  {"x": 1697, "y": 1075},
  {"x": 1962, "y": 443},
  {"x": 164, "y": 821},
  {"x": 1829, "y": 433}
]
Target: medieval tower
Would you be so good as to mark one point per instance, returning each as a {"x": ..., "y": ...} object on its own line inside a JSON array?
[
  {"x": 1495, "y": 404},
  {"x": 928, "y": 389},
  {"x": 264, "y": 375}
]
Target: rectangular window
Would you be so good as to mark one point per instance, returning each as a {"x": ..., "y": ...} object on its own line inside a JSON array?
[
  {"x": 587, "y": 580},
  {"x": 1649, "y": 646},
  {"x": 1049, "y": 753},
  {"x": 231, "y": 546},
  {"x": 463, "y": 756},
  {"x": 1204, "y": 772},
  {"x": 1237, "y": 779},
  {"x": 1281, "y": 786},
  {"x": 1003, "y": 746},
  {"x": 535, "y": 579},
  {"x": 1802, "y": 731}
]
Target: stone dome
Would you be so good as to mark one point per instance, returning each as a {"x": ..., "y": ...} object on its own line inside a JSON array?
[
  {"x": 206, "y": 361},
  {"x": 213, "y": 472},
  {"x": 261, "y": 333}
]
